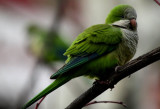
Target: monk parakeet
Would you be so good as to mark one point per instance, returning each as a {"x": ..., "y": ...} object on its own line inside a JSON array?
[
  {"x": 48, "y": 47},
  {"x": 98, "y": 49}
]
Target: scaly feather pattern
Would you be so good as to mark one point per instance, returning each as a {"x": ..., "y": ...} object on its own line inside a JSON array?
[{"x": 96, "y": 39}]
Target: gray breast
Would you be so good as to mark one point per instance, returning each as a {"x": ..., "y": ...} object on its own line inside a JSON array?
[
  {"x": 130, "y": 39},
  {"x": 127, "y": 48}
]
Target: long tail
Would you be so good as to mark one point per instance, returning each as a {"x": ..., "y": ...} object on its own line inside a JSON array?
[{"x": 57, "y": 83}]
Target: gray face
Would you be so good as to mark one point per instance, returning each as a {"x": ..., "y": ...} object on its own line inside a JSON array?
[{"x": 130, "y": 13}]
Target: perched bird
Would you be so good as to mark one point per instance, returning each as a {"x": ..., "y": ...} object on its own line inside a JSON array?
[
  {"x": 98, "y": 49},
  {"x": 47, "y": 46}
]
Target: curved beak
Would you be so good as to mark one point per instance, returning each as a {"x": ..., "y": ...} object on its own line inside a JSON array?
[{"x": 133, "y": 23}]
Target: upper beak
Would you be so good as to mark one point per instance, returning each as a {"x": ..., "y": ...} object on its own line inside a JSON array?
[{"x": 133, "y": 23}]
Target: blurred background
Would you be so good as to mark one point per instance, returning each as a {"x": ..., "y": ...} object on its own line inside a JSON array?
[{"x": 35, "y": 33}]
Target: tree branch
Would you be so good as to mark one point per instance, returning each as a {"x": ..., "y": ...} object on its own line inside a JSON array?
[{"x": 120, "y": 73}]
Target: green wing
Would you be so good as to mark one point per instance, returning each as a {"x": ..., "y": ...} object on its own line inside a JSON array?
[
  {"x": 92, "y": 43},
  {"x": 74, "y": 62}
]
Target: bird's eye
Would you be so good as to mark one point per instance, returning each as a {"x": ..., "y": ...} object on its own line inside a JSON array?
[{"x": 122, "y": 17}]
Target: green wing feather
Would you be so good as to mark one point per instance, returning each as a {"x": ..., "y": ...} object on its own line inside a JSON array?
[
  {"x": 92, "y": 43},
  {"x": 74, "y": 62},
  {"x": 96, "y": 39}
]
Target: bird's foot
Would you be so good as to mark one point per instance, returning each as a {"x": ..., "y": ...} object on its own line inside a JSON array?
[
  {"x": 102, "y": 82},
  {"x": 117, "y": 68}
]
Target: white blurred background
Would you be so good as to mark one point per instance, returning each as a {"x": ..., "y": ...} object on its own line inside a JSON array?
[{"x": 22, "y": 76}]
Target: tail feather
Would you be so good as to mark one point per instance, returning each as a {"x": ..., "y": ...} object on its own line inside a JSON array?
[{"x": 57, "y": 83}]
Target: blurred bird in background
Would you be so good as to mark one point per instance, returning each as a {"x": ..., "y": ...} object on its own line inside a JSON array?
[{"x": 47, "y": 46}]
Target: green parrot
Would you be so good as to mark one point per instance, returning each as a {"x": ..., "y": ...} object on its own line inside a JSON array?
[
  {"x": 48, "y": 47},
  {"x": 98, "y": 49}
]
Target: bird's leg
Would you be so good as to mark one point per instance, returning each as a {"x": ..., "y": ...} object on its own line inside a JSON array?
[{"x": 103, "y": 82}]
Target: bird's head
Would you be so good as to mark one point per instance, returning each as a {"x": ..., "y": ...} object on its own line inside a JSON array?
[{"x": 123, "y": 16}]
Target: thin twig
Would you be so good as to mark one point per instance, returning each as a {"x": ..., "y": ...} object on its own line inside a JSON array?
[
  {"x": 37, "y": 105},
  {"x": 157, "y": 2},
  {"x": 115, "y": 102}
]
